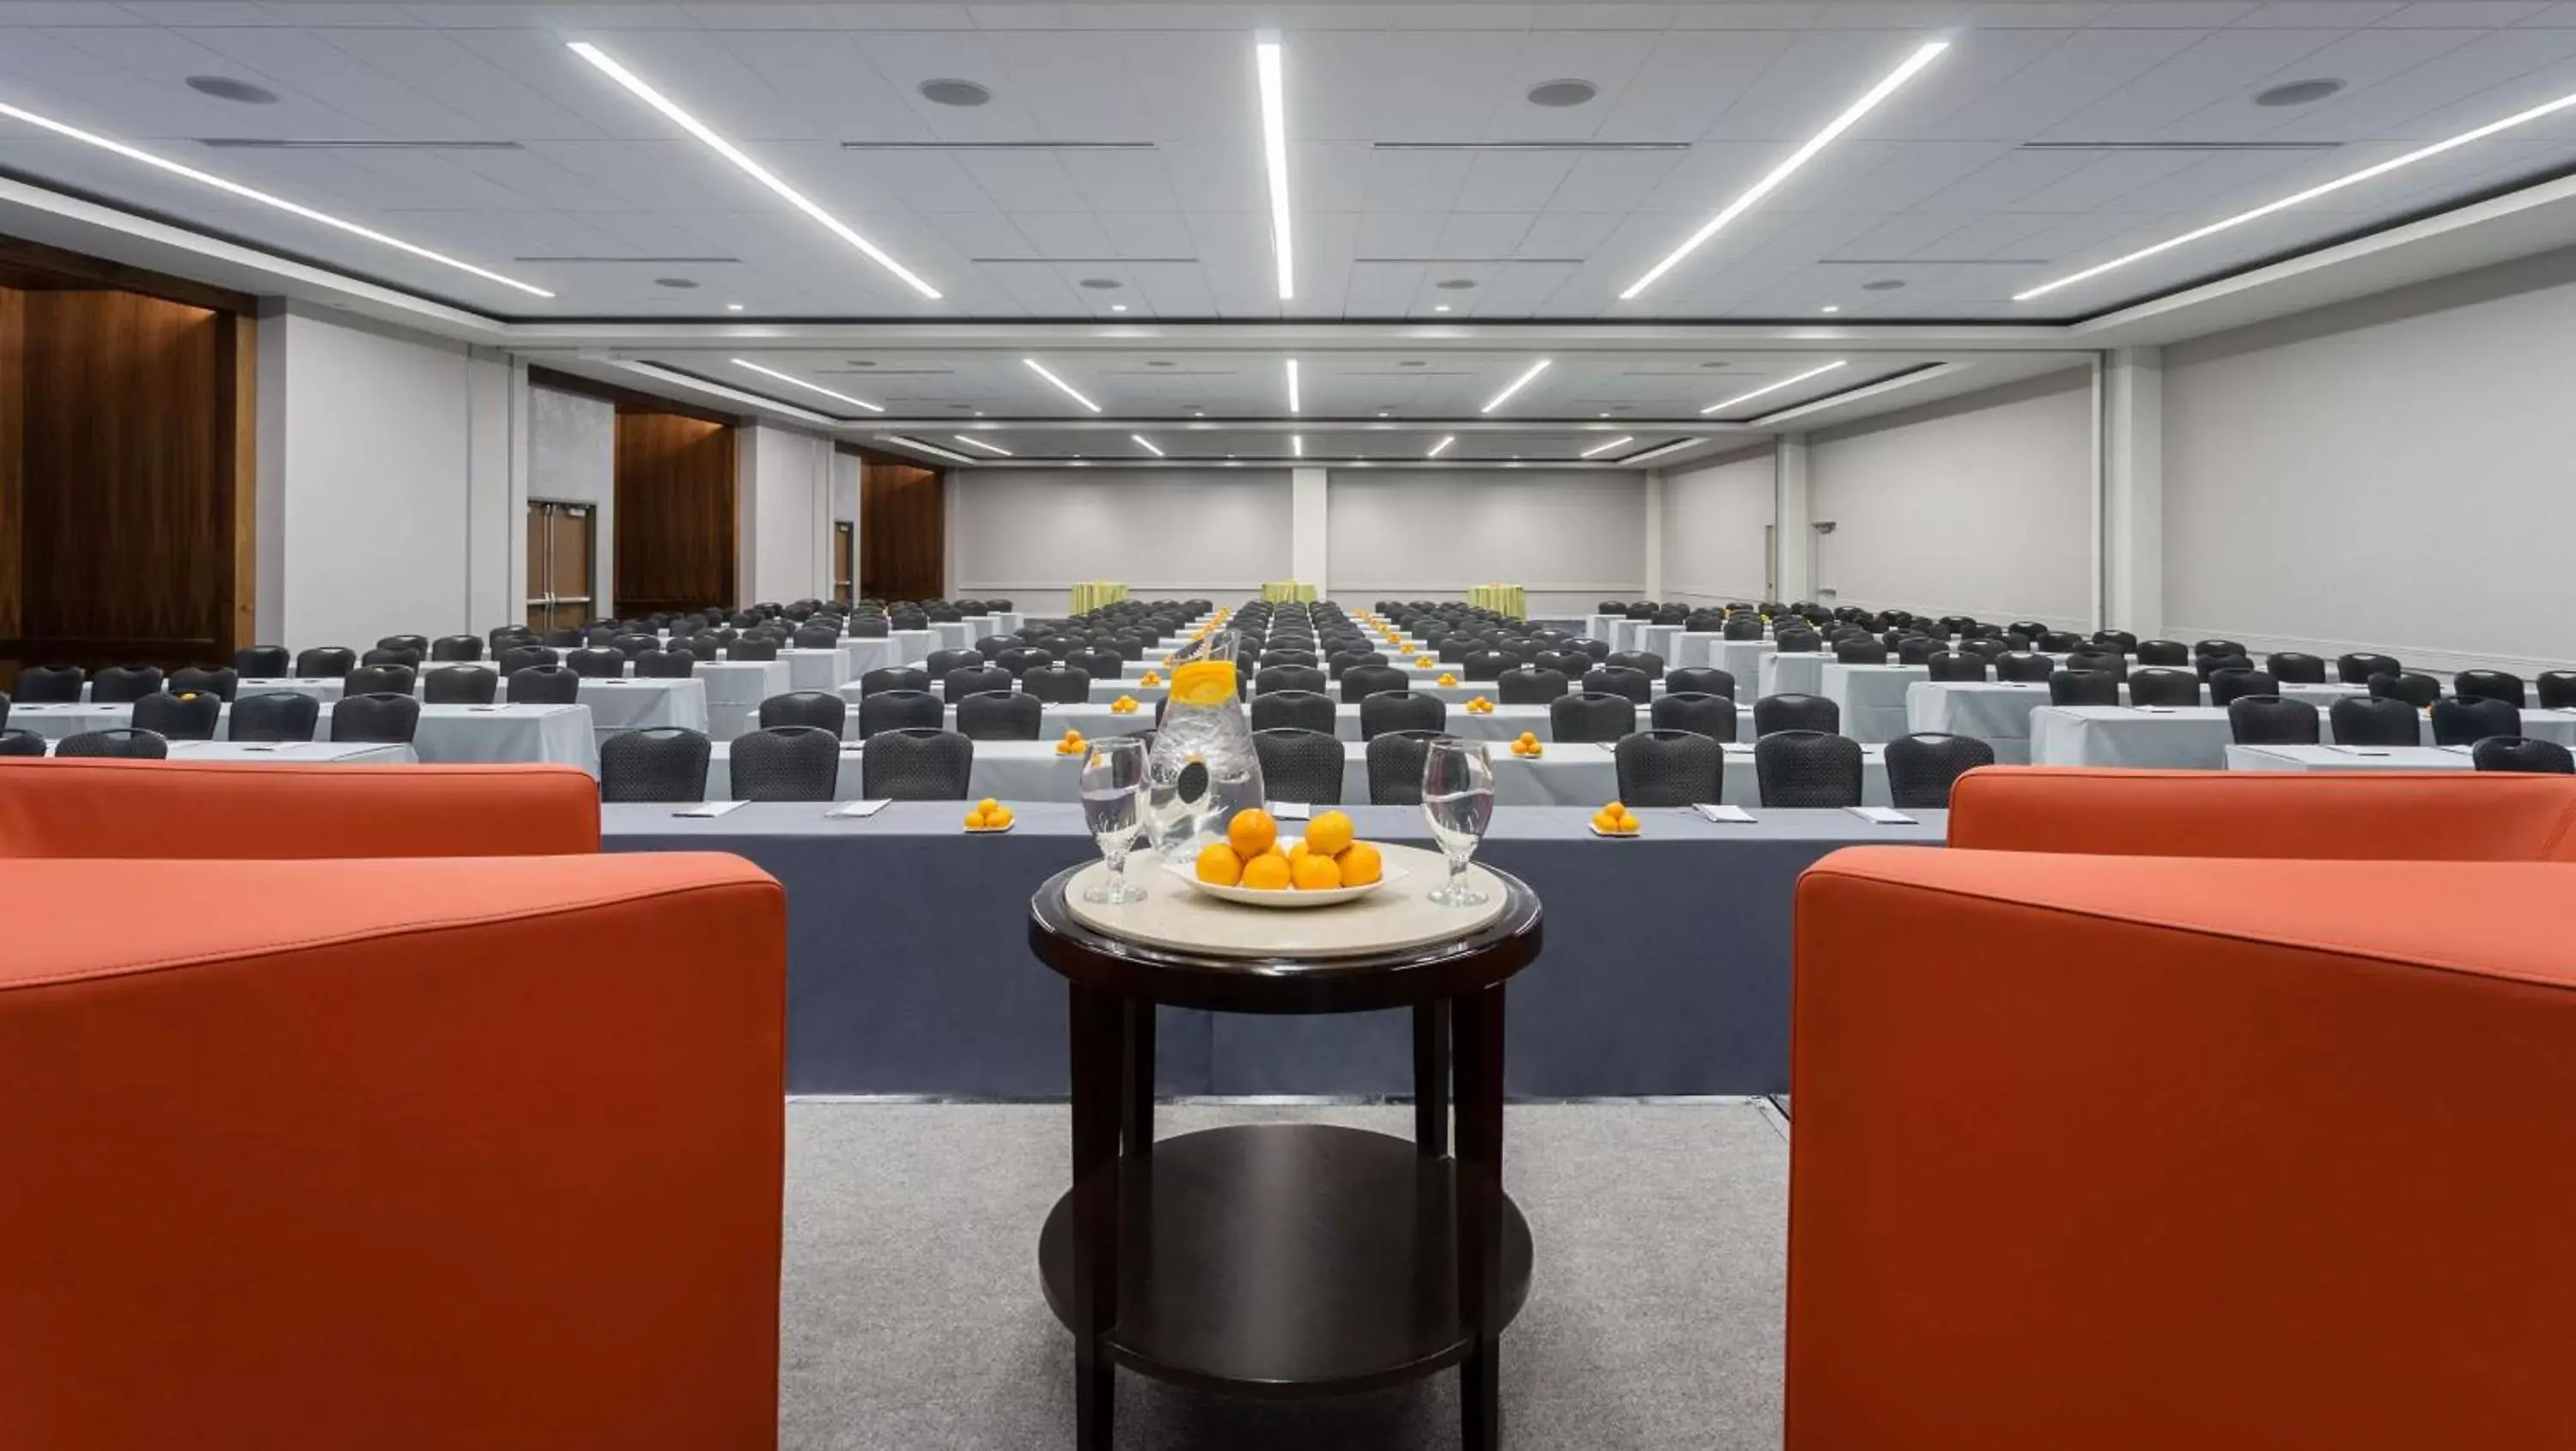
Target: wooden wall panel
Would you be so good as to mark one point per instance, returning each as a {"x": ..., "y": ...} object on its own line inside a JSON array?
[
  {"x": 903, "y": 532},
  {"x": 13, "y": 413},
  {"x": 675, "y": 513}
]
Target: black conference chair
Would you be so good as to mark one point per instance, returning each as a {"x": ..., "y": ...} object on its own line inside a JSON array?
[
  {"x": 1797, "y": 642},
  {"x": 459, "y": 685},
  {"x": 176, "y": 717},
  {"x": 893, "y": 677},
  {"x": 2292, "y": 667},
  {"x": 2268, "y": 720},
  {"x": 2489, "y": 685},
  {"x": 377, "y": 717},
  {"x": 418, "y": 645},
  {"x": 995, "y": 716},
  {"x": 1625, "y": 680},
  {"x": 50, "y": 684},
  {"x": 1099, "y": 662},
  {"x": 1362, "y": 681},
  {"x": 751, "y": 647},
  {"x": 273, "y": 716},
  {"x": 2100, "y": 662},
  {"x": 2024, "y": 666},
  {"x": 1669, "y": 768},
  {"x": 453, "y": 648},
  {"x": 2467, "y": 720},
  {"x": 2557, "y": 689},
  {"x": 1486, "y": 664},
  {"x": 2164, "y": 685},
  {"x": 820, "y": 709},
  {"x": 388, "y": 655},
  {"x": 263, "y": 662},
  {"x": 2358, "y": 667},
  {"x": 1952, "y": 665},
  {"x": 21, "y": 743},
  {"x": 2162, "y": 652},
  {"x": 2230, "y": 685},
  {"x": 2118, "y": 642},
  {"x": 1741, "y": 627},
  {"x": 664, "y": 763},
  {"x": 2520, "y": 753},
  {"x": 223, "y": 684},
  {"x": 2083, "y": 687},
  {"x": 1305, "y": 710},
  {"x": 2413, "y": 687},
  {"x": 956, "y": 685},
  {"x": 899, "y": 710},
  {"x": 1298, "y": 765},
  {"x": 786, "y": 763},
  {"x": 2213, "y": 665},
  {"x": 123, "y": 684},
  {"x": 1057, "y": 684},
  {"x": 1699, "y": 680},
  {"x": 1807, "y": 769},
  {"x": 916, "y": 764},
  {"x": 1922, "y": 767},
  {"x": 596, "y": 664},
  {"x": 1590, "y": 716},
  {"x": 378, "y": 680},
  {"x": 1698, "y": 712},
  {"x": 2375, "y": 721},
  {"x": 1795, "y": 712},
  {"x": 1021, "y": 660},
  {"x": 544, "y": 685},
  {"x": 1341, "y": 660},
  {"x": 325, "y": 662},
  {"x": 1292, "y": 677},
  {"x": 122, "y": 744},
  {"x": 1529, "y": 685},
  {"x": 1401, "y": 710},
  {"x": 677, "y": 664},
  {"x": 1644, "y": 662},
  {"x": 1395, "y": 766},
  {"x": 520, "y": 657},
  {"x": 815, "y": 637},
  {"x": 868, "y": 627},
  {"x": 992, "y": 645},
  {"x": 1919, "y": 650}
]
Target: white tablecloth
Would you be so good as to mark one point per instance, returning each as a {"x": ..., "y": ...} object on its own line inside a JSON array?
[
  {"x": 1604, "y": 628},
  {"x": 634, "y": 705},
  {"x": 735, "y": 689},
  {"x": 1663, "y": 640},
  {"x": 1872, "y": 697},
  {"x": 1798, "y": 673},
  {"x": 2349, "y": 758},
  {"x": 447, "y": 733},
  {"x": 819, "y": 668},
  {"x": 873, "y": 654},
  {"x": 1998, "y": 712},
  {"x": 325, "y": 688},
  {"x": 1694, "y": 647},
  {"x": 2195, "y": 737},
  {"x": 295, "y": 752},
  {"x": 953, "y": 634},
  {"x": 915, "y": 645}
]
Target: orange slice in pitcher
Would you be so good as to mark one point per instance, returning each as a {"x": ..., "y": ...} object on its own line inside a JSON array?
[{"x": 1203, "y": 682}]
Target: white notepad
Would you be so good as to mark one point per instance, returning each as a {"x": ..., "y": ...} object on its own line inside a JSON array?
[
  {"x": 1725, "y": 815},
  {"x": 860, "y": 808},
  {"x": 1881, "y": 815},
  {"x": 711, "y": 808},
  {"x": 1290, "y": 810}
]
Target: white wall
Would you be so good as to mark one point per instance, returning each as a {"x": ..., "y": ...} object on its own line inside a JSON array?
[
  {"x": 1714, "y": 547},
  {"x": 572, "y": 459},
  {"x": 387, "y": 477},
  {"x": 1979, "y": 505},
  {"x": 2390, "y": 473},
  {"x": 1026, "y": 535},
  {"x": 1570, "y": 540},
  {"x": 784, "y": 497}
]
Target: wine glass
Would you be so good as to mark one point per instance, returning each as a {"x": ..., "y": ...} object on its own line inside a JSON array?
[
  {"x": 1113, "y": 791},
  {"x": 1458, "y": 797}
]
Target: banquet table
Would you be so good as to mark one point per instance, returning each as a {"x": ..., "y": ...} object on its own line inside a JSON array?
[
  {"x": 1664, "y": 641},
  {"x": 908, "y": 966},
  {"x": 2349, "y": 758},
  {"x": 324, "y": 688},
  {"x": 1743, "y": 660},
  {"x": 873, "y": 652},
  {"x": 735, "y": 689},
  {"x": 1872, "y": 697},
  {"x": 447, "y": 733},
  {"x": 1800, "y": 672},
  {"x": 634, "y": 704},
  {"x": 1503, "y": 723},
  {"x": 295, "y": 753},
  {"x": 2195, "y": 737},
  {"x": 1603, "y": 628},
  {"x": 913, "y": 646},
  {"x": 1998, "y": 711}
]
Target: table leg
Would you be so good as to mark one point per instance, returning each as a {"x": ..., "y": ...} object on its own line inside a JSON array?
[
  {"x": 1136, "y": 1099},
  {"x": 1096, "y": 1020},
  {"x": 1431, "y": 1078},
  {"x": 1479, "y": 1050}
]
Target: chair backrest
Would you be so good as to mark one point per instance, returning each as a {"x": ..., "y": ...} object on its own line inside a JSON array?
[
  {"x": 1401, "y": 710},
  {"x": 120, "y": 684},
  {"x": 2164, "y": 685},
  {"x": 2268, "y": 720},
  {"x": 2521, "y": 753},
  {"x": 1395, "y": 766},
  {"x": 21, "y": 743},
  {"x": 1021, "y": 659},
  {"x": 821, "y": 709},
  {"x": 752, "y": 647},
  {"x": 1921, "y": 768},
  {"x": 519, "y": 657},
  {"x": 1308, "y": 710},
  {"x": 1742, "y": 627},
  {"x": 325, "y": 662},
  {"x": 1804, "y": 768},
  {"x": 417, "y": 644},
  {"x": 1918, "y": 649},
  {"x": 2209, "y": 665},
  {"x": 2321, "y": 815},
  {"x": 223, "y": 683},
  {"x": 1530, "y": 685},
  {"x": 1057, "y": 684},
  {"x": 2413, "y": 687},
  {"x": 544, "y": 685},
  {"x": 2229, "y": 685},
  {"x": 676, "y": 664},
  {"x": 2358, "y": 666},
  {"x": 50, "y": 684},
  {"x": 994, "y": 715},
  {"x": 786, "y": 763},
  {"x": 392, "y": 655},
  {"x": 2489, "y": 685},
  {"x": 1698, "y": 712},
  {"x": 263, "y": 662},
  {"x": 1797, "y": 642},
  {"x": 1796, "y": 712},
  {"x": 459, "y": 685},
  {"x": 664, "y": 763},
  {"x": 1699, "y": 680},
  {"x": 1954, "y": 665},
  {"x": 1099, "y": 662},
  {"x": 915, "y": 763},
  {"x": 975, "y": 680},
  {"x": 189, "y": 717},
  {"x": 893, "y": 677},
  {"x": 2375, "y": 721},
  {"x": 1625, "y": 680},
  {"x": 274, "y": 715},
  {"x": 869, "y": 627},
  {"x": 2162, "y": 652},
  {"x": 2024, "y": 666},
  {"x": 456, "y": 647},
  {"x": 377, "y": 716},
  {"x": 1289, "y": 677},
  {"x": 941, "y": 662},
  {"x": 122, "y": 744},
  {"x": 1299, "y": 765},
  {"x": 1591, "y": 716},
  {"x": 816, "y": 637},
  {"x": 1487, "y": 664},
  {"x": 1646, "y": 662},
  {"x": 1669, "y": 768},
  {"x": 2293, "y": 667},
  {"x": 378, "y": 680},
  {"x": 1362, "y": 681},
  {"x": 2463, "y": 721},
  {"x": 2083, "y": 687},
  {"x": 2101, "y": 662},
  {"x": 895, "y": 710}
]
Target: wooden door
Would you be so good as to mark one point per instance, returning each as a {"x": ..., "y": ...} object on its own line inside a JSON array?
[
  {"x": 844, "y": 545},
  {"x": 903, "y": 532}
]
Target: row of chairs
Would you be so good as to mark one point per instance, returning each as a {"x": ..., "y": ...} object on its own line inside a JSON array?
[
  {"x": 271, "y": 716},
  {"x": 786, "y": 763}
]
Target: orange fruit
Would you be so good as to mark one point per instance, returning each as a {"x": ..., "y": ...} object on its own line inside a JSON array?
[
  {"x": 1251, "y": 832},
  {"x": 1297, "y": 853},
  {"x": 1615, "y": 810},
  {"x": 1219, "y": 864},
  {"x": 1316, "y": 873},
  {"x": 975, "y": 819},
  {"x": 1329, "y": 833},
  {"x": 988, "y": 806},
  {"x": 1360, "y": 865},
  {"x": 1267, "y": 872},
  {"x": 1204, "y": 682},
  {"x": 999, "y": 816}
]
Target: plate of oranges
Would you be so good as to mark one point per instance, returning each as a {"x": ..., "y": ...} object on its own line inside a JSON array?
[{"x": 1257, "y": 866}]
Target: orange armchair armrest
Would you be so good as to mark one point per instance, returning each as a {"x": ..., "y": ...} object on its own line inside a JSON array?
[
  {"x": 191, "y": 809},
  {"x": 2355, "y": 815}
]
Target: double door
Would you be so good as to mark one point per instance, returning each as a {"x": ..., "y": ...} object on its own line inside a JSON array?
[{"x": 562, "y": 543}]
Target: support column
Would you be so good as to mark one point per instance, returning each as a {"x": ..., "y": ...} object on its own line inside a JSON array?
[
  {"x": 1309, "y": 555},
  {"x": 1793, "y": 542},
  {"x": 2130, "y": 509},
  {"x": 1654, "y": 572}
]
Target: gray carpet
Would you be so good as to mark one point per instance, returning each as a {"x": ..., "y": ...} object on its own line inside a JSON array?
[{"x": 913, "y": 1320}]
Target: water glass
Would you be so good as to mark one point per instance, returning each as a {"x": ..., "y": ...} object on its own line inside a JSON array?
[
  {"x": 1458, "y": 798},
  {"x": 1113, "y": 793}
]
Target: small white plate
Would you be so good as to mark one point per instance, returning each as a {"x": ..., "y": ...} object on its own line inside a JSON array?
[
  {"x": 1613, "y": 835},
  {"x": 991, "y": 830},
  {"x": 1284, "y": 897}
]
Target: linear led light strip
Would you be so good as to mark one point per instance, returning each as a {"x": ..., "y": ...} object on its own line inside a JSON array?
[
  {"x": 1652, "y": 454},
  {"x": 2311, "y": 194},
  {"x": 1268, "y": 61},
  {"x": 972, "y": 442},
  {"x": 1794, "y": 378},
  {"x": 1602, "y": 448},
  {"x": 1296, "y": 445},
  {"x": 1069, "y": 391},
  {"x": 1850, "y": 117},
  {"x": 1147, "y": 444},
  {"x": 282, "y": 204},
  {"x": 1516, "y": 385},
  {"x": 928, "y": 448},
  {"x": 1292, "y": 385},
  {"x": 801, "y": 383},
  {"x": 1443, "y": 444},
  {"x": 751, "y": 168}
]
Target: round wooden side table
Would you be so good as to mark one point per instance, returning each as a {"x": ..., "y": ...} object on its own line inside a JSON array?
[{"x": 1286, "y": 1260}]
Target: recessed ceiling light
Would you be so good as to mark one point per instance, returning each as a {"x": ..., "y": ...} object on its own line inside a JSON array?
[
  {"x": 952, "y": 92},
  {"x": 2298, "y": 93},
  {"x": 1292, "y": 386},
  {"x": 1725, "y": 403},
  {"x": 1117, "y": 307},
  {"x": 1269, "y": 64},
  {"x": 801, "y": 383},
  {"x": 225, "y": 88},
  {"x": 1602, "y": 448},
  {"x": 2367, "y": 173},
  {"x": 1923, "y": 56},
  {"x": 973, "y": 442},
  {"x": 1650, "y": 455},
  {"x": 1101, "y": 284},
  {"x": 1562, "y": 93},
  {"x": 1516, "y": 385},
  {"x": 1198, "y": 413},
  {"x": 1040, "y": 369},
  {"x": 1147, "y": 444},
  {"x": 1297, "y": 445},
  {"x": 1439, "y": 307},
  {"x": 928, "y": 448},
  {"x": 733, "y": 307},
  {"x": 1438, "y": 448},
  {"x": 753, "y": 169},
  {"x": 1883, "y": 284},
  {"x": 1830, "y": 308},
  {"x": 1385, "y": 413},
  {"x": 250, "y": 193}
]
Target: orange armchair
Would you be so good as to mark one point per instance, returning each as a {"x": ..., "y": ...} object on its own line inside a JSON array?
[
  {"x": 2139, "y": 1153},
  {"x": 395, "y": 1154},
  {"x": 183, "y": 809},
  {"x": 2357, "y": 816}
]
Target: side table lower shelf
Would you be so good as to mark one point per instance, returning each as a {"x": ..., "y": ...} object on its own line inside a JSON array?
[{"x": 1286, "y": 1260}]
